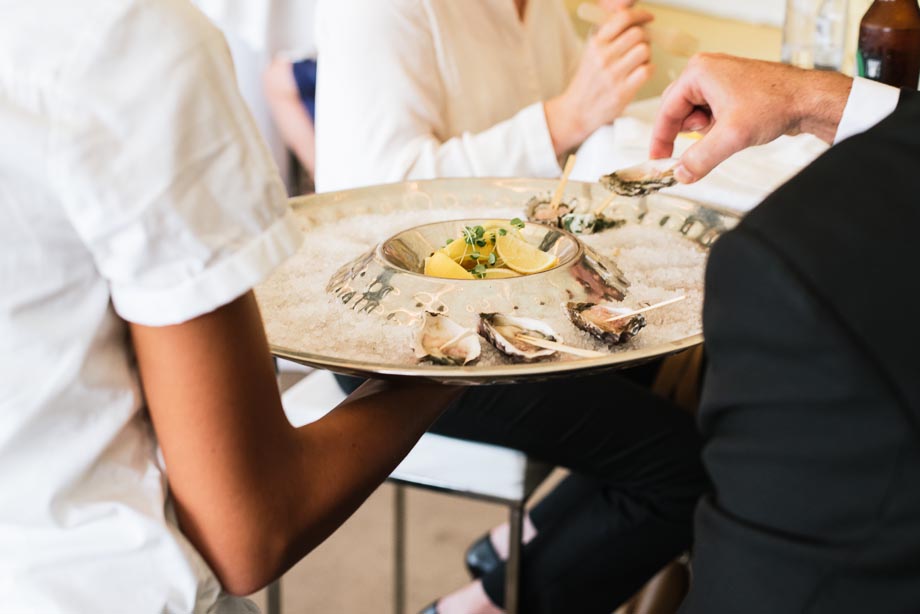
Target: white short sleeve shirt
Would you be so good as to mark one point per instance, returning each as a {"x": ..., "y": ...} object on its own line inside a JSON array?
[
  {"x": 416, "y": 89},
  {"x": 133, "y": 186}
]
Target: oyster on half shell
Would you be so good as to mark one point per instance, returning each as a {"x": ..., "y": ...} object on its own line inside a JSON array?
[
  {"x": 441, "y": 341},
  {"x": 539, "y": 210},
  {"x": 568, "y": 217},
  {"x": 503, "y": 332},
  {"x": 601, "y": 321},
  {"x": 642, "y": 179}
]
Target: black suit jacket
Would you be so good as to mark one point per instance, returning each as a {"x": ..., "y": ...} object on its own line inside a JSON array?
[{"x": 811, "y": 407}]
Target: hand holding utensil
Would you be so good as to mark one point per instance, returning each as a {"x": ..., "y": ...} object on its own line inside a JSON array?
[{"x": 674, "y": 41}]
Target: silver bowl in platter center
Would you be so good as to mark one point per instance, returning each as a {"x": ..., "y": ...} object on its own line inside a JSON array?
[{"x": 388, "y": 281}]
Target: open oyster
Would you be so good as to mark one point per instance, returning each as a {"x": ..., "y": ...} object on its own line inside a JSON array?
[
  {"x": 600, "y": 277},
  {"x": 600, "y": 319},
  {"x": 442, "y": 341},
  {"x": 539, "y": 210},
  {"x": 504, "y": 332},
  {"x": 588, "y": 223},
  {"x": 567, "y": 217},
  {"x": 642, "y": 179}
]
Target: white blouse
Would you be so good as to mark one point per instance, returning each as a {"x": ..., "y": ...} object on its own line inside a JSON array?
[
  {"x": 133, "y": 186},
  {"x": 411, "y": 89}
]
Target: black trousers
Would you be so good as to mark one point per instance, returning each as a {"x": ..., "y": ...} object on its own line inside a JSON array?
[{"x": 627, "y": 507}]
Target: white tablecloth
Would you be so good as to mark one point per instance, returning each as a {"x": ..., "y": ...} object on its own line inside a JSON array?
[{"x": 740, "y": 183}]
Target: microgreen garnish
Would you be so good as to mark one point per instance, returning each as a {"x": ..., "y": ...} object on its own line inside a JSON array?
[
  {"x": 472, "y": 235},
  {"x": 475, "y": 238}
]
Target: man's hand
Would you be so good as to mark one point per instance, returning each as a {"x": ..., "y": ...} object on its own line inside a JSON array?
[
  {"x": 614, "y": 66},
  {"x": 738, "y": 103}
]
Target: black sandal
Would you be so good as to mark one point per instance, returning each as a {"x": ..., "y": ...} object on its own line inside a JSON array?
[{"x": 481, "y": 558}]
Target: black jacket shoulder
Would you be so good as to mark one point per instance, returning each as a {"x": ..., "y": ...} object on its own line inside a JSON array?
[{"x": 849, "y": 224}]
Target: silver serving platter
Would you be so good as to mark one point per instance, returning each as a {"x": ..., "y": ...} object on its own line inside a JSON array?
[{"x": 699, "y": 223}]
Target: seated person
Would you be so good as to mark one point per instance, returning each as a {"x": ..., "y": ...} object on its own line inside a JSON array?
[
  {"x": 415, "y": 90},
  {"x": 502, "y": 87},
  {"x": 290, "y": 88},
  {"x": 811, "y": 407},
  {"x": 139, "y": 207}
]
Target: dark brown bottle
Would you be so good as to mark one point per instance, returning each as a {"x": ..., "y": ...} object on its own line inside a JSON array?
[{"x": 889, "y": 43}]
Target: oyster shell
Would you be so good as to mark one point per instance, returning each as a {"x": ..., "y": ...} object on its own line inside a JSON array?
[
  {"x": 601, "y": 278},
  {"x": 642, "y": 179},
  {"x": 567, "y": 217},
  {"x": 539, "y": 211},
  {"x": 600, "y": 319},
  {"x": 442, "y": 341},
  {"x": 502, "y": 331}
]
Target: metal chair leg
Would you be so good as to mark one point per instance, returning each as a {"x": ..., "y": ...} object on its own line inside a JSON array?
[
  {"x": 513, "y": 566},
  {"x": 274, "y": 598},
  {"x": 399, "y": 549}
]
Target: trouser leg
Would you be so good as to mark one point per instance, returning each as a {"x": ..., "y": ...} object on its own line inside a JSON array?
[{"x": 640, "y": 459}]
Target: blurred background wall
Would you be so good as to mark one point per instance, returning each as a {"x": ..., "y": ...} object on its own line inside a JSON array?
[{"x": 749, "y": 28}]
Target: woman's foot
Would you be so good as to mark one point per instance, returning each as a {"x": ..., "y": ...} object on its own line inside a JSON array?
[{"x": 471, "y": 599}]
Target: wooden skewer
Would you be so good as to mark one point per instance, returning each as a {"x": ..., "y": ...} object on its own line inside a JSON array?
[
  {"x": 559, "y": 347},
  {"x": 592, "y": 13},
  {"x": 629, "y": 314},
  {"x": 560, "y": 189},
  {"x": 457, "y": 338},
  {"x": 605, "y": 204},
  {"x": 672, "y": 40}
]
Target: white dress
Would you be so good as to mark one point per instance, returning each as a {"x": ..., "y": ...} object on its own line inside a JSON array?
[
  {"x": 412, "y": 89},
  {"x": 133, "y": 186}
]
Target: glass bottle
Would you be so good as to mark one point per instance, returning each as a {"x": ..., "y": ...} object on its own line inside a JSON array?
[
  {"x": 814, "y": 33},
  {"x": 855, "y": 8},
  {"x": 799, "y": 33},
  {"x": 889, "y": 43},
  {"x": 830, "y": 34}
]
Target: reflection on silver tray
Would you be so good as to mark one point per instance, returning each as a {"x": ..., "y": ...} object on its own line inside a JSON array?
[{"x": 669, "y": 215}]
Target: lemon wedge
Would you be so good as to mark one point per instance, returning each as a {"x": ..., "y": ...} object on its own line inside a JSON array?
[
  {"x": 523, "y": 257},
  {"x": 500, "y": 273},
  {"x": 439, "y": 264},
  {"x": 457, "y": 250}
]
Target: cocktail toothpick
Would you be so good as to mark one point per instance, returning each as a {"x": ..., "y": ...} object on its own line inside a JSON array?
[
  {"x": 560, "y": 189},
  {"x": 629, "y": 314},
  {"x": 560, "y": 347}
]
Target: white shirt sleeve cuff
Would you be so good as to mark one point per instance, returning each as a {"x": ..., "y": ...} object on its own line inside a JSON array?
[
  {"x": 869, "y": 103},
  {"x": 216, "y": 285},
  {"x": 538, "y": 142}
]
